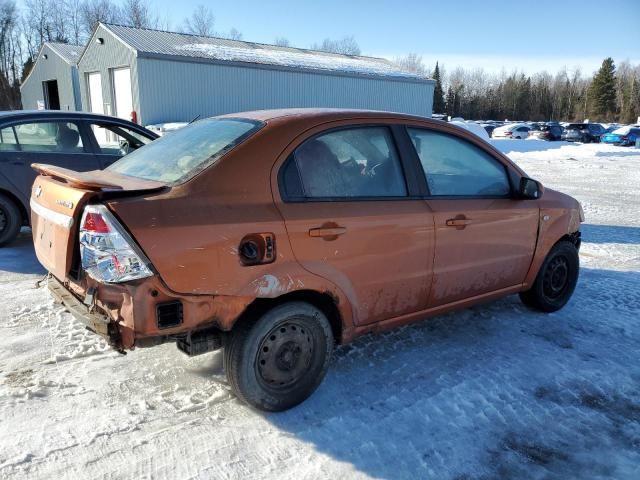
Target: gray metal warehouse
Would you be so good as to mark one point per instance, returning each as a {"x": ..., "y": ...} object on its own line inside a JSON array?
[
  {"x": 157, "y": 76},
  {"x": 53, "y": 82}
]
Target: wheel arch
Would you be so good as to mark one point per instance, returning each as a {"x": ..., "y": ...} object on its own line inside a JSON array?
[{"x": 324, "y": 301}]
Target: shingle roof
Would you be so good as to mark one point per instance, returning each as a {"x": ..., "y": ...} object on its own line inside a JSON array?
[
  {"x": 173, "y": 44},
  {"x": 70, "y": 53}
]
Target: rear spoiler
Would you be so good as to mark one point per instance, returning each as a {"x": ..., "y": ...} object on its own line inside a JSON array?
[{"x": 96, "y": 180}]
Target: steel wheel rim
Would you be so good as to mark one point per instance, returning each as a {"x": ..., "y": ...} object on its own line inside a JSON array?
[
  {"x": 285, "y": 355},
  {"x": 556, "y": 277}
]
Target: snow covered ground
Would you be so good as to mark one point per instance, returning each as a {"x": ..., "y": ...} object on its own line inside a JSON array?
[{"x": 496, "y": 391}]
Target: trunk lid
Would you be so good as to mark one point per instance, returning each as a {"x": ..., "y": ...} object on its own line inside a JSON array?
[{"x": 57, "y": 201}]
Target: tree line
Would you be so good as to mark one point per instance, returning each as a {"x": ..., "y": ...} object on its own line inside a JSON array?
[{"x": 612, "y": 94}]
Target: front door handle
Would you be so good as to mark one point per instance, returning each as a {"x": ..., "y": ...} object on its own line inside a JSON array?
[
  {"x": 327, "y": 232},
  {"x": 460, "y": 222}
]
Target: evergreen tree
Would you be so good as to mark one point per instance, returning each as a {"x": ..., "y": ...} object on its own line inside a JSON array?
[
  {"x": 438, "y": 92},
  {"x": 602, "y": 93}
]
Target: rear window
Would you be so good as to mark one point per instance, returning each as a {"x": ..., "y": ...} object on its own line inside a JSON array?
[
  {"x": 577, "y": 126},
  {"x": 182, "y": 154}
]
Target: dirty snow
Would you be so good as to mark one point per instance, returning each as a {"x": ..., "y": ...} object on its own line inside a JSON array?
[{"x": 495, "y": 391}]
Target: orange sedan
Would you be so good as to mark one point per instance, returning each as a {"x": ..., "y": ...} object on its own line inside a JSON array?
[{"x": 276, "y": 234}]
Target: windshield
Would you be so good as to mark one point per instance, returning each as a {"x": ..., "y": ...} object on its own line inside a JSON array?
[{"x": 182, "y": 154}]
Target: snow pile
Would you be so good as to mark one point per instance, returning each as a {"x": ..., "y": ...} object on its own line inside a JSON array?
[
  {"x": 622, "y": 131},
  {"x": 495, "y": 391},
  {"x": 294, "y": 59},
  {"x": 162, "y": 128},
  {"x": 472, "y": 127}
]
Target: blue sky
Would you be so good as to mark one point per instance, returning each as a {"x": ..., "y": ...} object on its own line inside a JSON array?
[{"x": 527, "y": 35}]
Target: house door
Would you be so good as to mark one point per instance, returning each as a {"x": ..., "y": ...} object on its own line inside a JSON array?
[
  {"x": 96, "y": 102},
  {"x": 121, "y": 78},
  {"x": 51, "y": 95}
]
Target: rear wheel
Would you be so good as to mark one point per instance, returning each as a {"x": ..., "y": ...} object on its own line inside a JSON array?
[
  {"x": 278, "y": 361},
  {"x": 10, "y": 220},
  {"x": 556, "y": 279}
]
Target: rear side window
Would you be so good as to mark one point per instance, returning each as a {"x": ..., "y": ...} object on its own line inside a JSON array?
[
  {"x": 456, "y": 168},
  {"x": 344, "y": 164},
  {"x": 46, "y": 137},
  {"x": 115, "y": 139},
  {"x": 184, "y": 153},
  {"x": 8, "y": 142}
]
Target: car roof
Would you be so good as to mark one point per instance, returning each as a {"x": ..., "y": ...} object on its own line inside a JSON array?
[
  {"x": 29, "y": 114},
  {"x": 320, "y": 114}
]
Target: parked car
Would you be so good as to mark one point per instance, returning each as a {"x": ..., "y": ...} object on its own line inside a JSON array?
[
  {"x": 514, "y": 130},
  {"x": 73, "y": 140},
  {"x": 583, "y": 132},
  {"x": 275, "y": 234},
  {"x": 489, "y": 128},
  {"x": 624, "y": 136},
  {"x": 549, "y": 132}
]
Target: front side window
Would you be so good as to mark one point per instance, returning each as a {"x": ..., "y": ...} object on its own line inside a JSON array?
[
  {"x": 48, "y": 137},
  {"x": 116, "y": 139},
  {"x": 456, "y": 167},
  {"x": 348, "y": 163},
  {"x": 177, "y": 157}
]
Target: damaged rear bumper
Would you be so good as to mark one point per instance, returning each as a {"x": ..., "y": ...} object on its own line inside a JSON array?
[
  {"x": 95, "y": 321},
  {"x": 146, "y": 313}
]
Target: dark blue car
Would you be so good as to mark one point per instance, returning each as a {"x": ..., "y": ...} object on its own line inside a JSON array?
[
  {"x": 74, "y": 140},
  {"x": 622, "y": 136}
]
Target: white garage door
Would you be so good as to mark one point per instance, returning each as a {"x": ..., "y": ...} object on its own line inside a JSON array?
[
  {"x": 96, "y": 103},
  {"x": 122, "y": 92},
  {"x": 95, "y": 92}
]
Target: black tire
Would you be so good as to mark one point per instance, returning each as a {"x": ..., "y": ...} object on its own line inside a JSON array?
[
  {"x": 278, "y": 361},
  {"x": 556, "y": 279},
  {"x": 10, "y": 220}
]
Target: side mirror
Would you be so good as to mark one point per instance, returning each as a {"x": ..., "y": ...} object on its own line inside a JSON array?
[{"x": 529, "y": 189}]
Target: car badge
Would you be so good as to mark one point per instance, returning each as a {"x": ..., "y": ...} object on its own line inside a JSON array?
[
  {"x": 38, "y": 191},
  {"x": 65, "y": 203}
]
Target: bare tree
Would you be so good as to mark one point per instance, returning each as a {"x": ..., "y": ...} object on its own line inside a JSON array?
[
  {"x": 234, "y": 34},
  {"x": 74, "y": 21},
  {"x": 95, "y": 11},
  {"x": 201, "y": 22},
  {"x": 412, "y": 63},
  {"x": 37, "y": 21},
  {"x": 346, "y": 46},
  {"x": 282, "y": 42},
  {"x": 137, "y": 13},
  {"x": 10, "y": 56}
]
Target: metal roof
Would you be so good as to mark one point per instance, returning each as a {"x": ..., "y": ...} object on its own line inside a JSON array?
[
  {"x": 70, "y": 53},
  {"x": 158, "y": 43}
]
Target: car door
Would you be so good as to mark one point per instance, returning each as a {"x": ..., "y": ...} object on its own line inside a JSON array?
[
  {"x": 113, "y": 140},
  {"x": 352, "y": 220},
  {"x": 56, "y": 142},
  {"x": 484, "y": 238}
]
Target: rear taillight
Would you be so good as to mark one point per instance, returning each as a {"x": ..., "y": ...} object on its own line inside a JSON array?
[
  {"x": 108, "y": 252},
  {"x": 508, "y": 134},
  {"x": 625, "y": 138}
]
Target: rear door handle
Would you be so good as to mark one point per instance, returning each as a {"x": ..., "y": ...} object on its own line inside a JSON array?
[
  {"x": 327, "y": 232},
  {"x": 459, "y": 222}
]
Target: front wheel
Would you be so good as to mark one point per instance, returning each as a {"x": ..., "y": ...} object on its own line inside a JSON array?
[
  {"x": 10, "y": 220},
  {"x": 556, "y": 279},
  {"x": 278, "y": 361}
]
